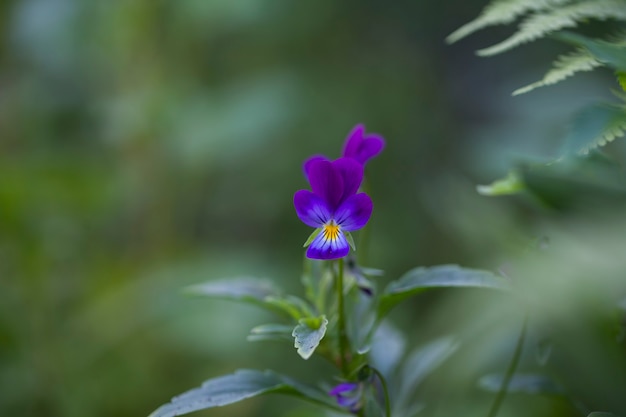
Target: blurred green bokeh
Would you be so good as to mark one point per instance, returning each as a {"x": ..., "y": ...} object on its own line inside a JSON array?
[{"x": 148, "y": 145}]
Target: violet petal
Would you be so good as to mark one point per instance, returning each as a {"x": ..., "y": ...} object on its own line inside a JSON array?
[
  {"x": 351, "y": 173},
  {"x": 326, "y": 181},
  {"x": 353, "y": 141},
  {"x": 310, "y": 208},
  {"x": 355, "y": 212},
  {"x": 343, "y": 387},
  {"x": 371, "y": 146},
  {"x": 326, "y": 248},
  {"x": 306, "y": 167}
]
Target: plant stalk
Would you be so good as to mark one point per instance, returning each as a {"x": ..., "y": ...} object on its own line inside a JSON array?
[{"x": 497, "y": 402}]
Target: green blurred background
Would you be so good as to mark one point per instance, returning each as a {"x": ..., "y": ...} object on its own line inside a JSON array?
[{"x": 151, "y": 144}]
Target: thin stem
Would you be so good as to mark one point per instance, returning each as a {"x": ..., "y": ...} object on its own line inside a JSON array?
[
  {"x": 385, "y": 391},
  {"x": 343, "y": 340},
  {"x": 497, "y": 402}
]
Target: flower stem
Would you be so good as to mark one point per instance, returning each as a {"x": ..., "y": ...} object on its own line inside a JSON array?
[
  {"x": 343, "y": 339},
  {"x": 495, "y": 407},
  {"x": 383, "y": 383}
]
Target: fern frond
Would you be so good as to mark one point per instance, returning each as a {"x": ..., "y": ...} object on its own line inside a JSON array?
[
  {"x": 596, "y": 126},
  {"x": 540, "y": 24},
  {"x": 502, "y": 12},
  {"x": 565, "y": 66}
]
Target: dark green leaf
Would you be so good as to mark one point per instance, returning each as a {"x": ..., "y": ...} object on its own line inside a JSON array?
[
  {"x": 522, "y": 383},
  {"x": 236, "y": 387},
  {"x": 443, "y": 276},
  {"x": 308, "y": 335},
  {"x": 601, "y": 414}
]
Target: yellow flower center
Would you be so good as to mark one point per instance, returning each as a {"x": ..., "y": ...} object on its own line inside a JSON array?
[{"x": 331, "y": 230}]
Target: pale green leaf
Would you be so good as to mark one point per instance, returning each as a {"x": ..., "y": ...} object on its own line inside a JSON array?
[
  {"x": 502, "y": 12},
  {"x": 565, "y": 66},
  {"x": 541, "y": 24},
  {"x": 236, "y": 387},
  {"x": 511, "y": 184},
  {"x": 350, "y": 240},
  {"x": 273, "y": 332},
  {"x": 443, "y": 276},
  {"x": 611, "y": 53},
  {"x": 312, "y": 236},
  {"x": 308, "y": 334}
]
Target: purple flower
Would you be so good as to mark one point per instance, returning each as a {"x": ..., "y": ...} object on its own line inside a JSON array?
[
  {"x": 357, "y": 146},
  {"x": 348, "y": 395},
  {"x": 362, "y": 147},
  {"x": 333, "y": 206}
]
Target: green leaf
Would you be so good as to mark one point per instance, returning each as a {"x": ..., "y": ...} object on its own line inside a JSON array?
[
  {"x": 236, "y": 387},
  {"x": 601, "y": 414},
  {"x": 308, "y": 335},
  {"x": 443, "y": 276},
  {"x": 350, "y": 240},
  {"x": 540, "y": 24},
  {"x": 611, "y": 53},
  {"x": 312, "y": 236},
  {"x": 273, "y": 332},
  {"x": 565, "y": 66},
  {"x": 294, "y": 306},
  {"x": 421, "y": 363},
  {"x": 595, "y": 126},
  {"x": 621, "y": 79},
  {"x": 261, "y": 293},
  {"x": 501, "y": 12},
  {"x": 521, "y": 383},
  {"x": 511, "y": 184}
]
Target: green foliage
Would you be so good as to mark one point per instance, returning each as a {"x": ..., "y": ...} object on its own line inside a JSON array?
[
  {"x": 239, "y": 386},
  {"x": 595, "y": 126},
  {"x": 443, "y": 276},
  {"x": 308, "y": 334},
  {"x": 511, "y": 184},
  {"x": 565, "y": 66},
  {"x": 548, "y": 18},
  {"x": 522, "y": 383}
]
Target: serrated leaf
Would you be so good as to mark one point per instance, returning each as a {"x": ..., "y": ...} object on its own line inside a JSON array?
[
  {"x": 595, "y": 126},
  {"x": 239, "y": 386},
  {"x": 270, "y": 332},
  {"x": 521, "y": 383},
  {"x": 540, "y": 24},
  {"x": 308, "y": 334},
  {"x": 502, "y": 12},
  {"x": 610, "y": 53},
  {"x": 443, "y": 276},
  {"x": 565, "y": 66},
  {"x": 511, "y": 184}
]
